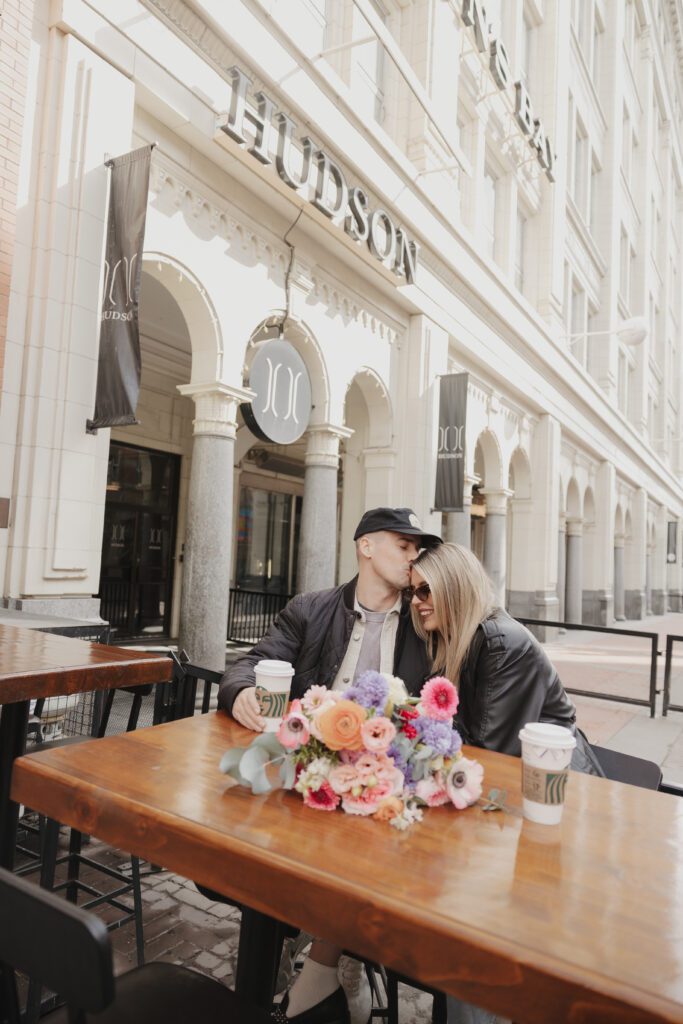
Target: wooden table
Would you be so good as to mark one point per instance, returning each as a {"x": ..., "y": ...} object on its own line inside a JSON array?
[
  {"x": 34, "y": 665},
  {"x": 580, "y": 922}
]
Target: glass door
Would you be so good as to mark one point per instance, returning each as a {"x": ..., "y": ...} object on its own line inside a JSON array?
[{"x": 136, "y": 580}]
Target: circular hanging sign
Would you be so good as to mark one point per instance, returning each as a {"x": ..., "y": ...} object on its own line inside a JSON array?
[{"x": 282, "y": 407}]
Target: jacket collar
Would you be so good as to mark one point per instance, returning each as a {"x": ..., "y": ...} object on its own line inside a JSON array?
[{"x": 349, "y": 597}]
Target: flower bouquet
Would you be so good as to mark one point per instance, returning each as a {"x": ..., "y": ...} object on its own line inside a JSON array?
[{"x": 370, "y": 750}]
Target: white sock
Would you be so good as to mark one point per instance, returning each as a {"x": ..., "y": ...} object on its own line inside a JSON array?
[{"x": 314, "y": 983}]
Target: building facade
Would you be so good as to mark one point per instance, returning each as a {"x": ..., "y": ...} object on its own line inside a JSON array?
[{"x": 400, "y": 189}]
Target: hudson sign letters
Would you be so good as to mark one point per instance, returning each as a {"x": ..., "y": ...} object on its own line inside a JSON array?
[
  {"x": 474, "y": 15},
  {"x": 269, "y": 134}
]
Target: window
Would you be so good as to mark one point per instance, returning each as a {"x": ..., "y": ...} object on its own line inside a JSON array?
[
  {"x": 519, "y": 250},
  {"x": 368, "y": 68},
  {"x": 626, "y": 145},
  {"x": 581, "y": 168},
  {"x": 488, "y": 213},
  {"x": 595, "y": 181},
  {"x": 526, "y": 41},
  {"x": 578, "y": 323},
  {"x": 623, "y": 383},
  {"x": 624, "y": 266}
]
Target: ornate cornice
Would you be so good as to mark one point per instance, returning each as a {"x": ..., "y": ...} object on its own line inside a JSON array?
[{"x": 227, "y": 221}]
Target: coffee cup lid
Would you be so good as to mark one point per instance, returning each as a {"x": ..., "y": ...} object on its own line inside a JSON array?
[
  {"x": 274, "y": 668},
  {"x": 547, "y": 735}
]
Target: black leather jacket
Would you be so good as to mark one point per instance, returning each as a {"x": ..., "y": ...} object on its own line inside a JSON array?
[
  {"x": 508, "y": 680},
  {"x": 312, "y": 632}
]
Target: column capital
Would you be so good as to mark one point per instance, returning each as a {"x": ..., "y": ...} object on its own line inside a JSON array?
[
  {"x": 216, "y": 406},
  {"x": 323, "y": 444},
  {"x": 496, "y": 500},
  {"x": 575, "y": 527}
]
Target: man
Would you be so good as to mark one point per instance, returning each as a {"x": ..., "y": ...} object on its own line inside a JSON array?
[{"x": 331, "y": 637}]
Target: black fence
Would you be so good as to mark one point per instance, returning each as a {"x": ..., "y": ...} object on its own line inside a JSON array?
[
  {"x": 667, "y": 706},
  {"x": 652, "y": 638},
  {"x": 251, "y": 613}
]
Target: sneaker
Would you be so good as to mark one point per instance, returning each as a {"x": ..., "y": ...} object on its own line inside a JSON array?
[
  {"x": 291, "y": 949},
  {"x": 354, "y": 980}
]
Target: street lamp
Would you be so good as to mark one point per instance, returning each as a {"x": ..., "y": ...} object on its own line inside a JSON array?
[{"x": 631, "y": 332}]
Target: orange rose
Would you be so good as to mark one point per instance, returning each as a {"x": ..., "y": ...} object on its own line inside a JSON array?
[
  {"x": 339, "y": 726},
  {"x": 388, "y": 809}
]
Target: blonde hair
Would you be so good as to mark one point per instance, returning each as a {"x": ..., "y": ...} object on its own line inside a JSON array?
[{"x": 462, "y": 596}]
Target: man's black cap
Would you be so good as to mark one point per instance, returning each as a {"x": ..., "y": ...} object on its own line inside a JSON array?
[{"x": 397, "y": 520}]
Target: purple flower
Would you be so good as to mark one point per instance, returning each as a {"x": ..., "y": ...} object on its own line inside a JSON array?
[
  {"x": 402, "y": 764},
  {"x": 371, "y": 691},
  {"x": 440, "y": 736}
]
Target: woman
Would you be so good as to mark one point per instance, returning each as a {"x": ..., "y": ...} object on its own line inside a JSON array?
[{"x": 503, "y": 675}]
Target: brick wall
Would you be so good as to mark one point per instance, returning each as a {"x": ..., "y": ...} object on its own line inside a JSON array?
[{"x": 15, "y": 35}]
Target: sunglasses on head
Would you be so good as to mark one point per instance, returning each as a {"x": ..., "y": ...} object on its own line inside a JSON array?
[{"x": 421, "y": 593}]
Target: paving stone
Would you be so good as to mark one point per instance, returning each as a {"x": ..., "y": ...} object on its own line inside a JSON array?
[{"x": 207, "y": 961}]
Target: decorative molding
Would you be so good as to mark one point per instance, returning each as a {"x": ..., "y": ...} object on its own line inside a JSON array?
[{"x": 226, "y": 221}]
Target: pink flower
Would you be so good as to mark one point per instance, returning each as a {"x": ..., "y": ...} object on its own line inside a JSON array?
[
  {"x": 432, "y": 790},
  {"x": 343, "y": 778},
  {"x": 322, "y": 799},
  {"x": 366, "y": 766},
  {"x": 368, "y": 801},
  {"x": 439, "y": 698},
  {"x": 464, "y": 782},
  {"x": 314, "y": 697},
  {"x": 377, "y": 733},
  {"x": 294, "y": 730}
]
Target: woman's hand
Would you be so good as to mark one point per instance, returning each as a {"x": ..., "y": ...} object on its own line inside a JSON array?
[{"x": 246, "y": 710}]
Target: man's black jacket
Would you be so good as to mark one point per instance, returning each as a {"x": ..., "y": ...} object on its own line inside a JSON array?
[{"x": 312, "y": 632}]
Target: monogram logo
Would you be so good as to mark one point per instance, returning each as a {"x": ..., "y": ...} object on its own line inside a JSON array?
[
  {"x": 451, "y": 441},
  {"x": 273, "y": 371},
  {"x": 282, "y": 407},
  {"x": 123, "y": 271}
]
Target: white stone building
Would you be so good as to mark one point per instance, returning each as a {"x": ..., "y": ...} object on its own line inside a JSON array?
[{"x": 533, "y": 154}]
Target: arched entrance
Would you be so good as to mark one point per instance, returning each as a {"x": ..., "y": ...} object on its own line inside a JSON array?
[
  {"x": 144, "y": 514},
  {"x": 488, "y": 466},
  {"x": 519, "y": 535}
]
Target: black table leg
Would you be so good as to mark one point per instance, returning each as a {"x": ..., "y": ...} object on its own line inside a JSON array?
[
  {"x": 258, "y": 957},
  {"x": 13, "y": 726}
]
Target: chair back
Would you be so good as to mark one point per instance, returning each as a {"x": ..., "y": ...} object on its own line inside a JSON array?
[
  {"x": 635, "y": 771},
  {"x": 55, "y": 943}
]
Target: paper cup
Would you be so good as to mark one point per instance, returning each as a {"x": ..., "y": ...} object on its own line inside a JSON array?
[
  {"x": 273, "y": 683},
  {"x": 546, "y": 753}
]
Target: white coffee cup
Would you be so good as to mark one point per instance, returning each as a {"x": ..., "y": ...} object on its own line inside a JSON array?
[
  {"x": 273, "y": 683},
  {"x": 546, "y": 753}
]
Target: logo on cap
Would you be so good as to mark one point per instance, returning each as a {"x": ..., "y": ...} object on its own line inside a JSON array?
[{"x": 414, "y": 521}]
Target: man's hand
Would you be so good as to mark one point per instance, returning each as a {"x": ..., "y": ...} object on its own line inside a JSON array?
[{"x": 246, "y": 710}]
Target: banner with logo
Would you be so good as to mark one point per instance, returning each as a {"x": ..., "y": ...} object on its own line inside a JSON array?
[
  {"x": 450, "y": 454},
  {"x": 118, "y": 369}
]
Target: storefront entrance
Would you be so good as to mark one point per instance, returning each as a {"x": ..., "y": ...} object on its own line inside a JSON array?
[{"x": 139, "y": 534}]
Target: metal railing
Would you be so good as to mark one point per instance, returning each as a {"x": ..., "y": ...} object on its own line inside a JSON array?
[
  {"x": 653, "y": 638},
  {"x": 671, "y": 639},
  {"x": 251, "y": 613}
]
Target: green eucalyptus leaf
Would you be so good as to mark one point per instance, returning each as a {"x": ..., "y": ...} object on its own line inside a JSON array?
[
  {"x": 253, "y": 768},
  {"x": 288, "y": 773},
  {"x": 230, "y": 764},
  {"x": 269, "y": 742}
]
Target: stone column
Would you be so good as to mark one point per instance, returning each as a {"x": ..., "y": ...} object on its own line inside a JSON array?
[
  {"x": 619, "y": 591},
  {"x": 495, "y": 535},
  {"x": 648, "y": 583},
  {"x": 207, "y": 557},
  {"x": 561, "y": 568},
  {"x": 459, "y": 524},
  {"x": 574, "y": 572},
  {"x": 318, "y": 537}
]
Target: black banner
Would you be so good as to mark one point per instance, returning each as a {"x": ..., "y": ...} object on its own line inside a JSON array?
[
  {"x": 118, "y": 369},
  {"x": 450, "y": 453}
]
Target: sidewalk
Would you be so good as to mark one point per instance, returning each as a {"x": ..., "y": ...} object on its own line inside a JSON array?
[{"x": 621, "y": 665}]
